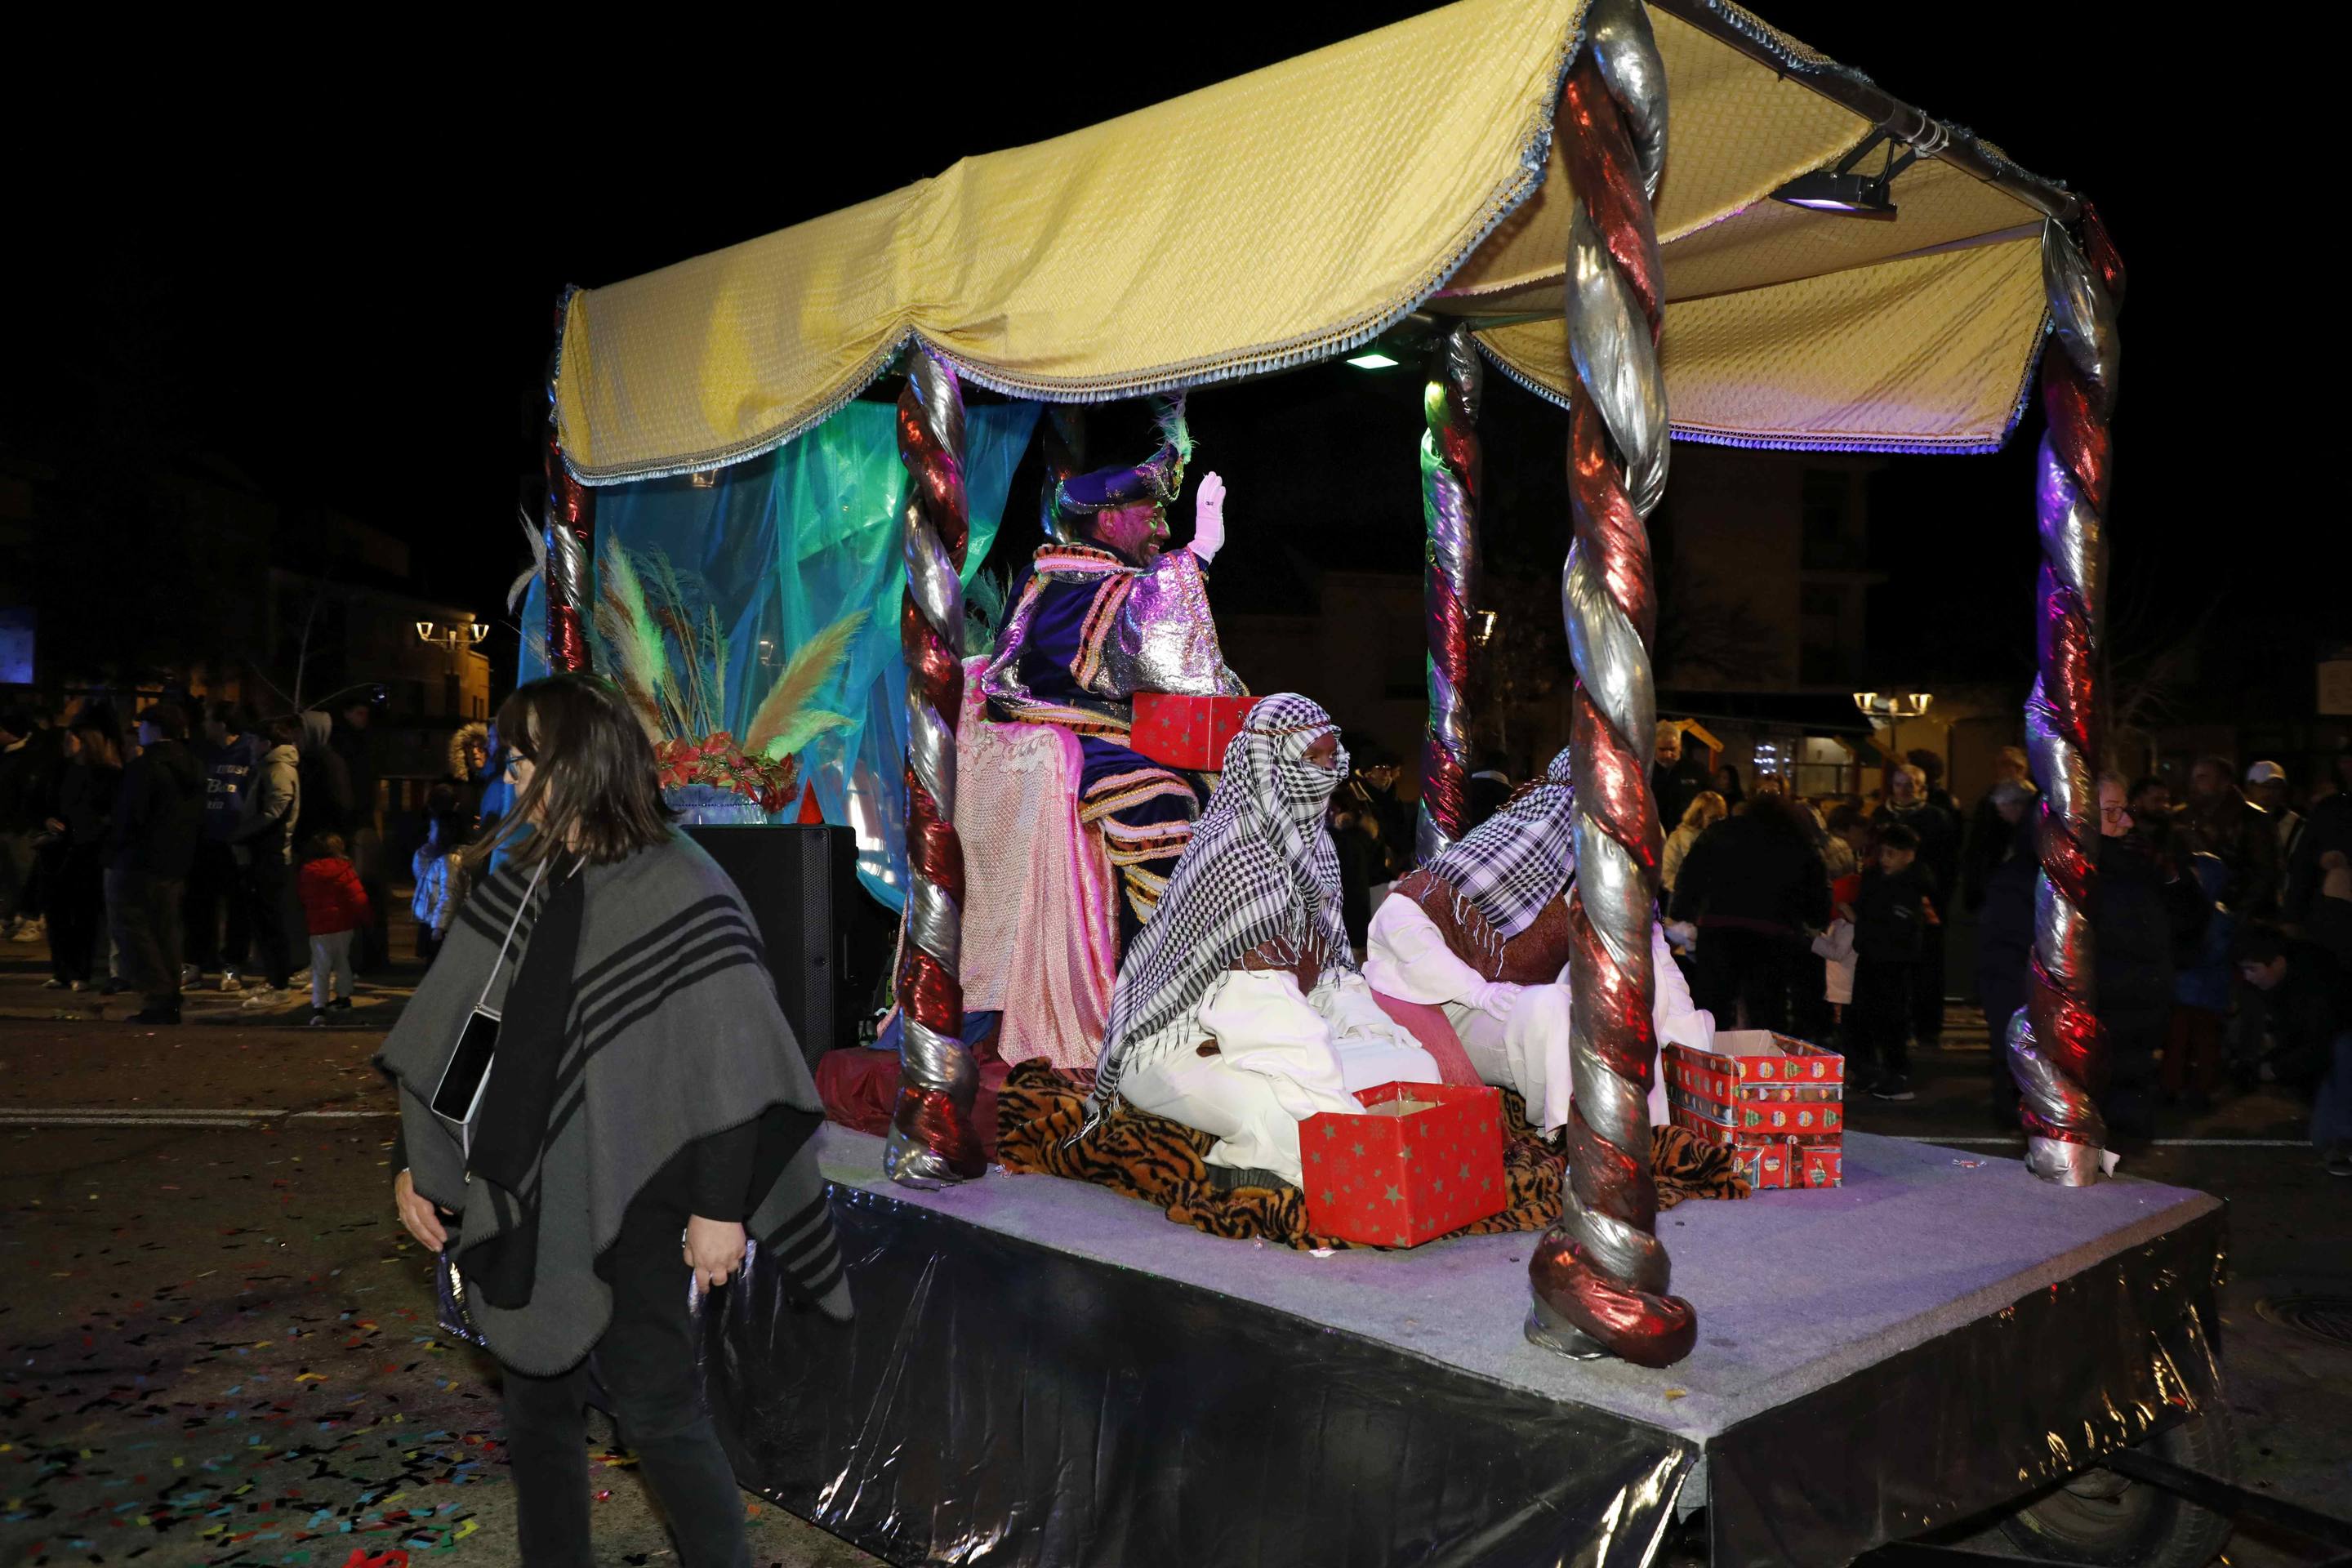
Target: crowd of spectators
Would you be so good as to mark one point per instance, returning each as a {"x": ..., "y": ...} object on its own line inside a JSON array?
[
  {"x": 2223, "y": 924},
  {"x": 202, "y": 846}
]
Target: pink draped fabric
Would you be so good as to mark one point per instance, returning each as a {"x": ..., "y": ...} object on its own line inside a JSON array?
[
  {"x": 1040, "y": 923},
  {"x": 1435, "y": 1033}
]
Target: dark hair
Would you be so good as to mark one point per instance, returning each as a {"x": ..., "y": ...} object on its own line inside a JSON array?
[
  {"x": 168, "y": 717},
  {"x": 1783, "y": 814},
  {"x": 1926, "y": 762},
  {"x": 324, "y": 847},
  {"x": 1895, "y": 835},
  {"x": 594, "y": 787},
  {"x": 238, "y": 718},
  {"x": 2258, "y": 943},
  {"x": 1845, "y": 815},
  {"x": 17, "y": 720},
  {"x": 286, "y": 729},
  {"x": 96, "y": 714},
  {"x": 2145, "y": 783},
  {"x": 451, "y": 825}
]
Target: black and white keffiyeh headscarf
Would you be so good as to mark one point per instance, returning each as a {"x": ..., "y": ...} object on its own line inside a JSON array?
[
  {"x": 1518, "y": 860},
  {"x": 1261, "y": 867}
]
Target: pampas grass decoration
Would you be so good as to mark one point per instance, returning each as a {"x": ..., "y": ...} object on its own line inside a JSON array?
[
  {"x": 640, "y": 665},
  {"x": 785, "y": 722}
]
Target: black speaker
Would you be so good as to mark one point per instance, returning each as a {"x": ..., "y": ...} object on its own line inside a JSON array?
[{"x": 801, "y": 885}]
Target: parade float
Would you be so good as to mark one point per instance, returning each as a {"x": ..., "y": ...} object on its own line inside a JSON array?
[{"x": 1678, "y": 223}]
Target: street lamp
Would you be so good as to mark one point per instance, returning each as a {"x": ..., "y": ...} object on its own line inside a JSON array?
[
  {"x": 1889, "y": 707},
  {"x": 453, "y": 640},
  {"x": 464, "y": 634}
]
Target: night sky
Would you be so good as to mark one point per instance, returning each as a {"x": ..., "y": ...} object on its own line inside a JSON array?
[{"x": 343, "y": 278}]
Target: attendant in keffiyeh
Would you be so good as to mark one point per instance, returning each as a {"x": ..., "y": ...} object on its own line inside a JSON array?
[
  {"x": 1482, "y": 931},
  {"x": 1108, "y": 611},
  {"x": 1239, "y": 1010}
]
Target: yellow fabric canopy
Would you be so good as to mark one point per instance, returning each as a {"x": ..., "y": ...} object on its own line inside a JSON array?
[{"x": 1300, "y": 210}]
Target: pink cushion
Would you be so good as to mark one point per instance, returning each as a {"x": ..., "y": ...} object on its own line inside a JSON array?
[{"x": 1428, "y": 1026}]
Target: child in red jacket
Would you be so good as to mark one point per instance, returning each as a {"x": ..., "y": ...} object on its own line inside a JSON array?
[{"x": 334, "y": 905}]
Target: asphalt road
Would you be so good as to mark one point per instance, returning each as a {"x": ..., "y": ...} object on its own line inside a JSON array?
[{"x": 216, "y": 1344}]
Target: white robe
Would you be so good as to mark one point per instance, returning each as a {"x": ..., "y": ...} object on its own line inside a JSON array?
[
  {"x": 1281, "y": 1057},
  {"x": 1408, "y": 959}
]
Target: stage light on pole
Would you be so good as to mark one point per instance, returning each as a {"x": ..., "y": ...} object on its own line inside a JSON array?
[
  {"x": 1371, "y": 360},
  {"x": 424, "y": 631},
  {"x": 1485, "y": 631},
  {"x": 1850, "y": 195}
]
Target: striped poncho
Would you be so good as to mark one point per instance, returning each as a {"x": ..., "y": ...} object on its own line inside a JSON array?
[{"x": 673, "y": 1034}]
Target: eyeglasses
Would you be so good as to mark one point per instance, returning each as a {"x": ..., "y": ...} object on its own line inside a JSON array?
[{"x": 516, "y": 762}]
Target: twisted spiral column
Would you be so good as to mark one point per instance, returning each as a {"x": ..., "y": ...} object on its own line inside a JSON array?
[
  {"x": 1600, "y": 1277},
  {"x": 570, "y": 532},
  {"x": 2057, "y": 1051},
  {"x": 1449, "y": 505},
  {"x": 932, "y": 1138}
]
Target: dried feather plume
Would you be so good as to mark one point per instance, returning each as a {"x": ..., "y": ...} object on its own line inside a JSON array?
[
  {"x": 538, "y": 542},
  {"x": 632, "y": 651},
  {"x": 787, "y": 720},
  {"x": 665, "y": 649}
]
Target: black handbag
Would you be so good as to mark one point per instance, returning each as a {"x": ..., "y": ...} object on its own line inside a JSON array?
[{"x": 456, "y": 1098}]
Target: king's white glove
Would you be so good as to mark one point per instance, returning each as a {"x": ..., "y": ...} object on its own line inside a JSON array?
[
  {"x": 1497, "y": 999},
  {"x": 1209, "y": 519}
]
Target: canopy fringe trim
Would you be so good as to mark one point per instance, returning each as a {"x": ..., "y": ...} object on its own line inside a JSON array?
[{"x": 759, "y": 446}]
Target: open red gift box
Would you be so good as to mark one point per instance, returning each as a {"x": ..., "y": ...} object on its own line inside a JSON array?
[
  {"x": 1188, "y": 732},
  {"x": 1777, "y": 1102},
  {"x": 1419, "y": 1161}
]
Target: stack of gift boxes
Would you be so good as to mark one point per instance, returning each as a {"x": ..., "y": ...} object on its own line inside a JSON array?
[{"x": 1777, "y": 1102}]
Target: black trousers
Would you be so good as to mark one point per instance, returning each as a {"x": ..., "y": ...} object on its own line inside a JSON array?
[
  {"x": 145, "y": 910},
  {"x": 1927, "y": 1015},
  {"x": 219, "y": 913},
  {"x": 1879, "y": 1016},
  {"x": 268, "y": 882},
  {"x": 78, "y": 913},
  {"x": 646, "y": 1363},
  {"x": 1737, "y": 967}
]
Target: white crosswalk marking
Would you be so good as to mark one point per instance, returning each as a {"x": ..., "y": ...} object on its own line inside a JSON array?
[{"x": 173, "y": 1116}]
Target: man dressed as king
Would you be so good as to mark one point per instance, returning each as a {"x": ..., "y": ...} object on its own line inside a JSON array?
[{"x": 1109, "y": 611}]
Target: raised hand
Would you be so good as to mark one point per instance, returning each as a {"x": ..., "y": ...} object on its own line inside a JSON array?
[{"x": 1209, "y": 518}]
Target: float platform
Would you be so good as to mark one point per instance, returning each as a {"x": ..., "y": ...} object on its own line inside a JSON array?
[{"x": 1047, "y": 1374}]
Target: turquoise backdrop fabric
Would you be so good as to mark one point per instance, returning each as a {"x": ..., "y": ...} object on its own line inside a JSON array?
[{"x": 784, "y": 545}]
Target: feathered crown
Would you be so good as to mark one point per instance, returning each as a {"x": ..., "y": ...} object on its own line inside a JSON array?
[{"x": 1157, "y": 478}]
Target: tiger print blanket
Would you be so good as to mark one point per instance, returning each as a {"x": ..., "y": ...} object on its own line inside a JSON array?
[{"x": 1040, "y": 1113}]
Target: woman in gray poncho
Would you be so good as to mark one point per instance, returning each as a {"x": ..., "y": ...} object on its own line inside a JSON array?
[{"x": 644, "y": 1114}]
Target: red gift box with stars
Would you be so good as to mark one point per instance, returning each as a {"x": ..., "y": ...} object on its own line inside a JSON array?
[
  {"x": 1778, "y": 1103},
  {"x": 1420, "y": 1161},
  {"x": 1188, "y": 732}
]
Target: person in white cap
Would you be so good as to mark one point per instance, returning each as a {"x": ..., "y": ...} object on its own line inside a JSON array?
[{"x": 2268, "y": 787}]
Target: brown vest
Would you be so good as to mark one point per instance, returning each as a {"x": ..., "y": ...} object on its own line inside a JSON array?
[
  {"x": 1534, "y": 957},
  {"x": 1305, "y": 962}
]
